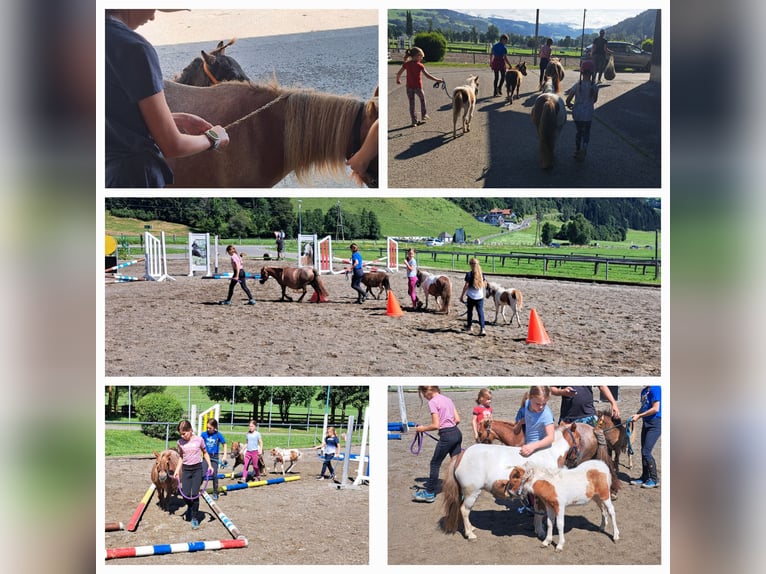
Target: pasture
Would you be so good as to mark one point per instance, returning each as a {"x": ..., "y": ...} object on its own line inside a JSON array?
[
  {"x": 503, "y": 535},
  {"x": 177, "y": 328}
]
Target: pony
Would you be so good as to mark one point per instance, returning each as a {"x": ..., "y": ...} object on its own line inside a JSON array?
[
  {"x": 439, "y": 286},
  {"x": 273, "y": 131},
  {"x": 513, "y": 80},
  {"x": 557, "y": 489},
  {"x": 588, "y": 444},
  {"x": 549, "y": 115},
  {"x": 379, "y": 279},
  {"x": 464, "y": 100},
  {"x": 616, "y": 435},
  {"x": 282, "y": 455},
  {"x": 506, "y": 432},
  {"x": 212, "y": 68},
  {"x": 479, "y": 466},
  {"x": 295, "y": 278},
  {"x": 503, "y": 298},
  {"x": 162, "y": 475},
  {"x": 554, "y": 74}
]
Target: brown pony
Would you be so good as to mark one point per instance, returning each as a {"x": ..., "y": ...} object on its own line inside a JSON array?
[
  {"x": 379, "y": 279},
  {"x": 212, "y": 68},
  {"x": 505, "y": 431},
  {"x": 587, "y": 443},
  {"x": 513, "y": 80},
  {"x": 436, "y": 286},
  {"x": 273, "y": 131},
  {"x": 162, "y": 475},
  {"x": 295, "y": 278},
  {"x": 616, "y": 435}
]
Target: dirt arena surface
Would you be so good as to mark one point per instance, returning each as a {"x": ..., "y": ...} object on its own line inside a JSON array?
[
  {"x": 177, "y": 328},
  {"x": 285, "y": 523},
  {"x": 503, "y": 535}
]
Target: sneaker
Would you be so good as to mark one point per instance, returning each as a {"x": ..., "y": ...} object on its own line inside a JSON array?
[
  {"x": 467, "y": 328},
  {"x": 650, "y": 484},
  {"x": 414, "y": 123},
  {"x": 320, "y": 477},
  {"x": 195, "y": 524},
  {"x": 423, "y": 496},
  {"x": 250, "y": 302},
  {"x": 214, "y": 496},
  {"x": 425, "y": 119},
  {"x": 483, "y": 333},
  {"x": 637, "y": 482},
  {"x": 226, "y": 302}
]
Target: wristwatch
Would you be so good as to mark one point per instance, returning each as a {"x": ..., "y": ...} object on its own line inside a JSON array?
[{"x": 215, "y": 141}]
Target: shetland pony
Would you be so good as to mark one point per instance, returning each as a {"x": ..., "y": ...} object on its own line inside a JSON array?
[
  {"x": 513, "y": 80},
  {"x": 297, "y": 278},
  {"x": 549, "y": 113},
  {"x": 162, "y": 475},
  {"x": 503, "y": 298},
  {"x": 376, "y": 279},
  {"x": 213, "y": 68},
  {"x": 561, "y": 487},
  {"x": 285, "y": 455},
  {"x": 616, "y": 435},
  {"x": 464, "y": 100},
  {"x": 438, "y": 286},
  {"x": 506, "y": 432}
]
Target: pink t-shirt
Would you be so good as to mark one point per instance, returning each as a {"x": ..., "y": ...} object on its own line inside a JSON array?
[
  {"x": 445, "y": 408},
  {"x": 545, "y": 51},
  {"x": 236, "y": 263},
  {"x": 191, "y": 450}
]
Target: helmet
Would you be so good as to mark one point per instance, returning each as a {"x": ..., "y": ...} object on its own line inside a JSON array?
[{"x": 586, "y": 66}]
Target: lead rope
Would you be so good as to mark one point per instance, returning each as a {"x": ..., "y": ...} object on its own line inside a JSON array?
[
  {"x": 204, "y": 486},
  {"x": 257, "y": 111}
]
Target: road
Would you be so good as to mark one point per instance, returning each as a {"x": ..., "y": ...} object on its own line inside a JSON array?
[{"x": 501, "y": 150}]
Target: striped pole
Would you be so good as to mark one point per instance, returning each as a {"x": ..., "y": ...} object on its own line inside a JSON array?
[
  {"x": 122, "y": 278},
  {"x": 174, "y": 548},
  {"x": 124, "y": 264},
  {"x": 253, "y": 484},
  {"x": 133, "y": 524},
  {"x": 114, "y": 526},
  {"x": 230, "y": 275},
  {"x": 233, "y": 530}
]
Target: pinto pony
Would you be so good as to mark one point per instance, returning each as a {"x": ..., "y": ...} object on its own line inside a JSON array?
[
  {"x": 464, "y": 100},
  {"x": 513, "y": 80},
  {"x": 437, "y": 286},
  {"x": 511, "y": 298},
  {"x": 557, "y": 489},
  {"x": 213, "y": 68},
  {"x": 297, "y": 278},
  {"x": 616, "y": 435},
  {"x": 285, "y": 455},
  {"x": 162, "y": 474},
  {"x": 506, "y": 432},
  {"x": 376, "y": 279}
]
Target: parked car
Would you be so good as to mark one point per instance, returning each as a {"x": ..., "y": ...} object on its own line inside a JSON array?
[
  {"x": 435, "y": 243},
  {"x": 625, "y": 56}
]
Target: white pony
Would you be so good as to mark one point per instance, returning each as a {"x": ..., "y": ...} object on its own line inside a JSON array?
[
  {"x": 464, "y": 99},
  {"x": 481, "y": 465}
]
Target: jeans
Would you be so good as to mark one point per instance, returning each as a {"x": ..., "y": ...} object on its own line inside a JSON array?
[
  {"x": 650, "y": 434},
  {"x": 478, "y": 304},
  {"x": 327, "y": 464},
  {"x": 582, "y": 137},
  {"x": 450, "y": 443},
  {"x": 356, "y": 284}
]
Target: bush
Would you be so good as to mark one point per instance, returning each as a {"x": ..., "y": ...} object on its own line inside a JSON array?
[
  {"x": 161, "y": 408},
  {"x": 433, "y": 44}
]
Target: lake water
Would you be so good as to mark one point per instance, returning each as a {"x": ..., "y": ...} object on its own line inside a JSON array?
[{"x": 342, "y": 62}]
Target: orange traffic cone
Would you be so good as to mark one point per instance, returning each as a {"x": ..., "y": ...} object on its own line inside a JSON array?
[
  {"x": 536, "y": 333},
  {"x": 322, "y": 298},
  {"x": 392, "y": 308}
]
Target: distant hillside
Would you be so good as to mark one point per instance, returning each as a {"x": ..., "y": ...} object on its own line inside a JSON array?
[{"x": 633, "y": 29}]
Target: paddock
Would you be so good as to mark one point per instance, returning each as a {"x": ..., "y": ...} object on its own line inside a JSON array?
[{"x": 177, "y": 328}]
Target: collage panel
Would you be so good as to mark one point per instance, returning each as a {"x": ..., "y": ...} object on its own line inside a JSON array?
[
  {"x": 176, "y": 492},
  {"x": 478, "y": 470},
  {"x": 506, "y": 98}
]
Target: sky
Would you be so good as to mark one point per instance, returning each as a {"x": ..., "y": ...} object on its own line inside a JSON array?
[{"x": 593, "y": 18}]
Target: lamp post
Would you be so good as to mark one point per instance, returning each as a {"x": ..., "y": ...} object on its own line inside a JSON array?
[{"x": 300, "y": 222}]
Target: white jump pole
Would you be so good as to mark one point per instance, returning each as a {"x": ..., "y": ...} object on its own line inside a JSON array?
[
  {"x": 402, "y": 409},
  {"x": 361, "y": 476},
  {"x": 347, "y": 452}
]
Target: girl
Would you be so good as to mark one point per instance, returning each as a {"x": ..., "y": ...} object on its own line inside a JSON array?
[
  {"x": 651, "y": 414},
  {"x": 238, "y": 276},
  {"x": 585, "y": 94},
  {"x": 538, "y": 420},
  {"x": 412, "y": 277},
  {"x": 254, "y": 448},
  {"x": 498, "y": 61},
  {"x": 482, "y": 410},
  {"x": 444, "y": 418},
  {"x": 414, "y": 69},
  {"x": 213, "y": 439},
  {"x": 474, "y": 288},
  {"x": 545, "y": 57},
  {"x": 330, "y": 446},
  {"x": 189, "y": 469}
]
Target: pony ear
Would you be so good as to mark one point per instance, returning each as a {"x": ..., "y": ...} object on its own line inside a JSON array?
[{"x": 208, "y": 58}]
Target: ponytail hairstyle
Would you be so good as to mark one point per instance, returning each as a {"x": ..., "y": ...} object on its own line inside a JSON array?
[{"x": 410, "y": 53}]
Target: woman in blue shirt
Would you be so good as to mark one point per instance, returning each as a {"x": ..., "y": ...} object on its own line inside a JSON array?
[{"x": 651, "y": 414}]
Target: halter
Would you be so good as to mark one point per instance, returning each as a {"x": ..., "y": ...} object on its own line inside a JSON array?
[
  {"x": 518, "y": 494},
  {"x": 573, "y": 453}
]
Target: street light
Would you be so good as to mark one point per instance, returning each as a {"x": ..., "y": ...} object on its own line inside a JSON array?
[{"x": 300, "y": 222}]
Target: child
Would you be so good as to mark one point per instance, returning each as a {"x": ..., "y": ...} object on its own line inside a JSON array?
[
  {"x": 331, "y": 447},
  {"x": 238, "y": 276},
  {"x": 482, "y": 410},
  {"x": 189, "y": 469},
  {"x": 444, "y": 418},
  {"x": 412, "y": 276},
  {"x": 650, "y": 413},
  {"x": 538, "y": 420},
  {"x": 414, "y": 68},
  {"x": 474, "y": 289},
  {"x": 213, "y": 439},
  {"x": 585, "y": 94},
  {"x": 254, "y": 448}
]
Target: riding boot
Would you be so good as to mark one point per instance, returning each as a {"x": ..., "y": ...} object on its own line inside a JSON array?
[{"x": 652, "y": 471}]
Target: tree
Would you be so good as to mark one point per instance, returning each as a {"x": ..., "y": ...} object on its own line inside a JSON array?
[
  {"x": 408, "y": 23},
  {"x": 493, "y": 33},
  {"x": 433, "y": 44},
  {"x": 579, "y": 230},
  {"x": 241, "y": 224},
  {"x": 549, "y": 231}
]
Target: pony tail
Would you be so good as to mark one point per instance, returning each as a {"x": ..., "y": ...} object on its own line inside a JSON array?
[{"x": 451, "y": 520}]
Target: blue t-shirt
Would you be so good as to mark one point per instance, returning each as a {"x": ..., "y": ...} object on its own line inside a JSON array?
[
  {"x": 649, "y": 396},
  {"x": 356, "y": 263},
  {"x": 536, "y": 423},
  {"x": 212, "y": 441},
  {"x": 331, "y": 444}
]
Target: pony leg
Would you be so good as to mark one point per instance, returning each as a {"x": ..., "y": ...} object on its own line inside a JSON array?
[
  {"x": 549, "y": 517},
  {"x": 302, "y": 295},
  {"x": 610, "y": 508},
  {"x": 465, "y": 510},
  {"x": 285, "y": 296},
  {"x": 560, "y": 526}
]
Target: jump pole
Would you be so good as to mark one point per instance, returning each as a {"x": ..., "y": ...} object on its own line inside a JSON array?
[
  {"x": 123, "y": 264},
  {"x": 253, "y": 484},
  {"x": 113, "y": 526},
  {"x": 361, "y": 476},
  {"x": 233, "y": 530},
  {"x": 133, "y": 523},
  {"x": 402, "y": 409},
  {"x": 134, "y": 551}
]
